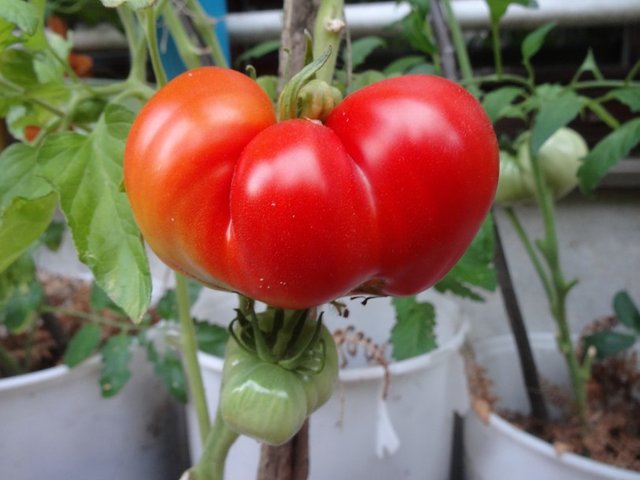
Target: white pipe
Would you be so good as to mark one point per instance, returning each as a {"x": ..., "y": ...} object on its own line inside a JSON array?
[{"x": 374, "y": 18}]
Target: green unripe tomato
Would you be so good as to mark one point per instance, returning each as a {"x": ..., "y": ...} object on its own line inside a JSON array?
[
  {"x": 264, "y": 401},
  {"x": 514, "y": 182},
  {"x": 559, "y": 159},
  {"x": 320, "y": 386}
]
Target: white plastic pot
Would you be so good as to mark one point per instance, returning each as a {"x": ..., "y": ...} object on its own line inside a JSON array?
[
  {"x": 500, "y": 451},
  {"x": 357, "y": 434},
  {"x": 54, "y": 424}
]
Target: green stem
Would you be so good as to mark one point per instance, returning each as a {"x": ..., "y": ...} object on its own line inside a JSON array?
[
  {"x": 190, "y": 355},
  {"x": 149, "y": 18},
  {"x": 466, "y": 71},
  {"x": 528, "y": 246},
  {"x": 204, "y": 27},
  {"x": 602, "y": 113},
  {"x": 515, "y": 79},
  {"x": 136, "y": 43},
  {"x": 210, "y": 466},
  {"x": 186, "y": 49},
  {"x": 327, "y": 33},
  {"x": 285, "y": 333},
  {"x": 497, "y": 48},
  {"x": 89, "y": 317},
  {"x": 559, "y": 288},
  {"x": 36, "y": 101},
  {"x": 633, "y": 72}
]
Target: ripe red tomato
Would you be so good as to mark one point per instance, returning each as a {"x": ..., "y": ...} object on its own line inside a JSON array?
[{"x": 384, "y": 198}]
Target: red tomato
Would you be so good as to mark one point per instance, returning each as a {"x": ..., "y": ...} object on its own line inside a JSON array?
[{"x": 384, "y": 198}]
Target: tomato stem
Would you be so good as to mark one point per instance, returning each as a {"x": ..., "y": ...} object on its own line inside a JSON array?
[
  {"x": 210, "y": 466},
  {"x": 149, "y": 22},
  {"x": 190, "y": 356},
  {"x": 329, "y": 26}
]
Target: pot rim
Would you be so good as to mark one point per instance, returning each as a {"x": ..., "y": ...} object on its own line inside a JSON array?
[{"x": 544, "y": 341}]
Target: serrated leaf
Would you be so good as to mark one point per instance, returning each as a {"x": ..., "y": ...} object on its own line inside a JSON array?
[
  {"x": 609, "y": 343},
  {"x": 169, "y": 368},
  {"x": 497, "y": 8},
  {"x": 87, "y": 173},
  {"x": 211, "y": 338},
  {"x": 608, "y": 152},
  {"x": 475, "y": 268},
  {"x": 557, "y": 107},
  {"x": 626, "y": 311},
  {"x": 20, "y": 13},
  {"x": 630, "y": 96},
  {"x": 362, "y": 48},
  {"x": 414, "y": 331},
  {"x": 534, "y": 41},
  {"x": 83, "y": 344},
  {"x": 413, "y": 27},
  {"x": 499, "y": 102},
  {"x": 116, "y": 356},
  {"x": 22, "y": 223}
]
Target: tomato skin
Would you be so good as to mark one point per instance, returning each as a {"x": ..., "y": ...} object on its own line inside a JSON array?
[{"x": 384, "y": 198}]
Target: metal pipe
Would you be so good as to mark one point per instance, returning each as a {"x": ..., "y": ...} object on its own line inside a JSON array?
[{"x": 374, "y": 18}]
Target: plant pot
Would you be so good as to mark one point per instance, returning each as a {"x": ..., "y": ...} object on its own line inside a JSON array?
[
  {"x": 56, "y": 425},
  {"x": 498, "y": 450},
  {"x": 357, "y": 434}
]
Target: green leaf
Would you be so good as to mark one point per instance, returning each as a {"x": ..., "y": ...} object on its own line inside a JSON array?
[
  {"x": 414, "y": 331},
  {"x": 630, "y": 96},
  {"x": 402, "y": 65},
  {"x": 534, "y": 41},
  {"x": 87, "y": 172},
  {"x": 589, "y": 65},
  {"x": 53, "y": 235},
  {"x": 167, "y": 306},
  {"x": 22, "y": 223},
  {"x": 20, "y": 13},
  {"x": 99, "y": 300},
  {"x": 609, "y": 151},
  {"x": 557, "y": 107},
  {"x": 475, "y": 268},
  {"x": 21, "y": 308},
  {"x": 20, "y": 178},
  {"x": 497, "y": 8},
  {"x": 83, "y": 344},
  {"x": 211, "y": 338},
  {"x": 169, "y": 368},
  {"x": 413, "y": 28},
  {"x": 116, "y": 356},
  {"x": 362, "y": 48},
  {"x": 499, "y": 102},
  {"x": 259, "y": 50},
  {"x": 626, "y": 311},
  {"x": 609, "y": 343}
]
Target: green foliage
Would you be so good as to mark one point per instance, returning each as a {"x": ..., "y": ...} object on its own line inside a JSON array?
[
  {"x": 414, "y": 331},
  {"x": 86, "y": 170},
  {"x": 608, "y": 343},
  {"x": 83, "y": 344},
  {"x": 475, "y": 269},
  {"x": 607, "y": 153},
  {"x": 115, "y": 372},
  {"x": 497, "y": 8},
  {"x": 557, "y": 106},
  {"x": 169, "y": 368},
  {"x": 361, "y": 49},
  {"x": 211, "y": 338}
]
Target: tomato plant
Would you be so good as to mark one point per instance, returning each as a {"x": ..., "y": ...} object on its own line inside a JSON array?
[
  {"x": 383, "y": 198},
  {"x": 559, "y": 159}
]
